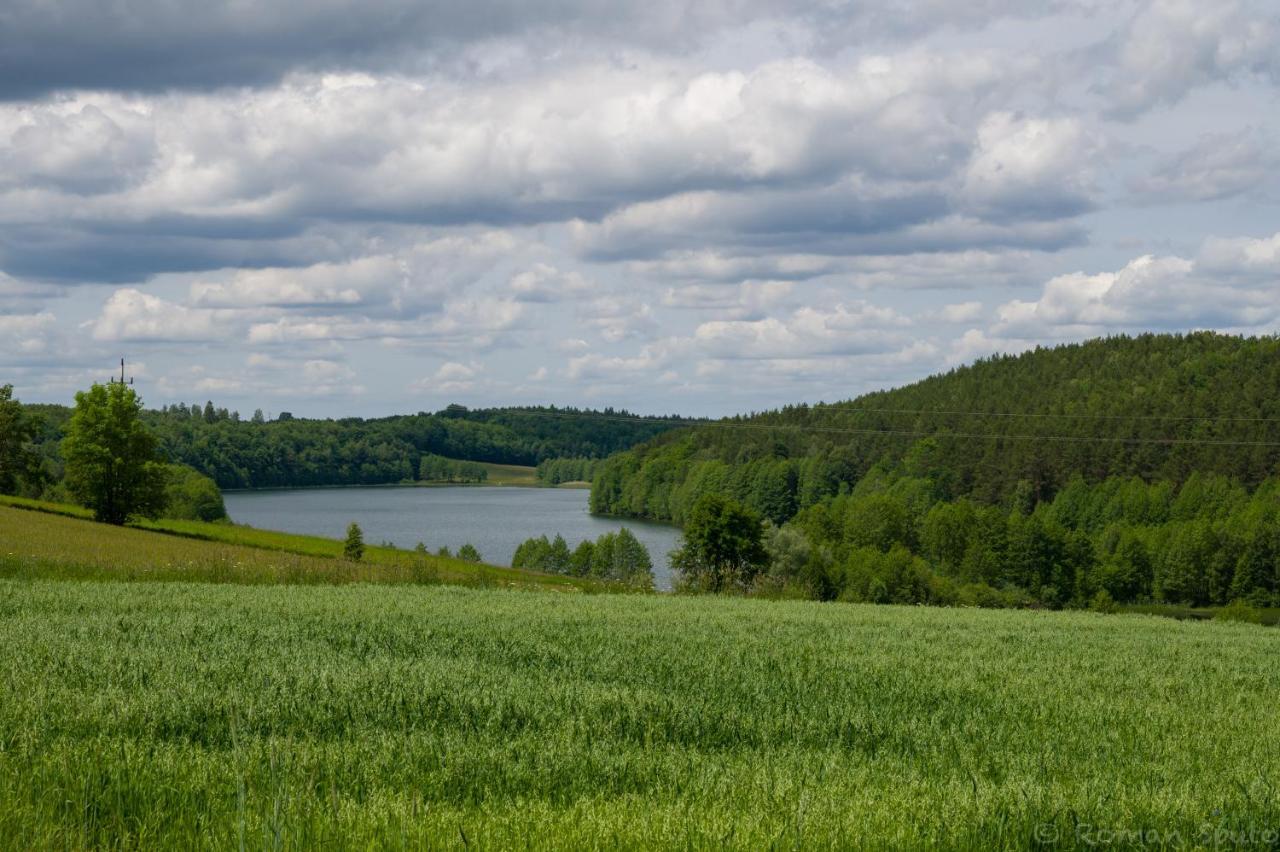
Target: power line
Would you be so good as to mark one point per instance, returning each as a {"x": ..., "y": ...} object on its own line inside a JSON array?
[
  {"x": 1045, "y": 415},
  {"x": 913, "y": 433}
]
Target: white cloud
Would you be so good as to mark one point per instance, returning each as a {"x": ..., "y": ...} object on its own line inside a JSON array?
[
  {"x": 1235, "y": 284},
  {"x": 1030, "y": 167},
  {"x": 844, "y": 330},
  {"x": 26, "y": 334},
  {"x": 130, "y": 314},
  {"x": 451, "y": 377},
  {"x": 1171, "y": 47}
]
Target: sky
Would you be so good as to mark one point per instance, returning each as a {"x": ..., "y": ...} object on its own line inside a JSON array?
[{"x": 366, "y": 207}]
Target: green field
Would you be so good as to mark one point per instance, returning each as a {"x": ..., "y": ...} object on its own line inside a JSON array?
[
  {"x": 178, "y": 715},
  {"x": 48, "y": 543}
]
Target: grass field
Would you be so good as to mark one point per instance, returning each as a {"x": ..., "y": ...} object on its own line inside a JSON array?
[
  {"x": 210, "y": 716},
  {"x": 48, "y": 543}
]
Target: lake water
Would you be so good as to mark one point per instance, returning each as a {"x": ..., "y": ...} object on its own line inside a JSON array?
[{"x": 495, "y": 519}]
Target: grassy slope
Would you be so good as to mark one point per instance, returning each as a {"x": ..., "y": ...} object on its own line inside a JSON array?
[
  {"x": 181, "y": 715},
  {"x": 48, "y": 543}
]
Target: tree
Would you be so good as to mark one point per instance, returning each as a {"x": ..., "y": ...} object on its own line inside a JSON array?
[
  {"x": 722, "y": 545},
  {"x": 190, "y": 495},
  {"x": 468, "y": 553},
  {"x": 17, "y": 460},
  {"x": 353, "y": 546},
  {"x": 110, "y": 457}
]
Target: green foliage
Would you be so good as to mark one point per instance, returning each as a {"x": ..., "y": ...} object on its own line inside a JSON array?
[
  {"x": 110, "y": 456},
  {"x": 617, "y": 557},
  {"x": 722, "y": 548},
  {"x": 1239, "y": 610},
  {"x": 19, "y": 462},
  {"x": 353, "y": 544},
  {"x": 1120, "y": 537},
  {"x": 1120, "y": 401},
  {"x": 1103, "y": 602},
  {"x": 191, "y": 496},
  {"x": 366, "y": 717},
  {"x": 558, "y": 471},
  {"x": 468, "y": 553},
  {"x": 432, "y": 468}
]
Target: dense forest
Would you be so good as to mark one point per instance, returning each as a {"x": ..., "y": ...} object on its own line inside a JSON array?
[
  {"x": 1125, "y": 468},
  {"x": 289, "y": 451},
  {"x": 1159, "y": 407}
]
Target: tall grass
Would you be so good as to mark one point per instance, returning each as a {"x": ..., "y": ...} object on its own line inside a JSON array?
[{"x": 206, "y": 716}]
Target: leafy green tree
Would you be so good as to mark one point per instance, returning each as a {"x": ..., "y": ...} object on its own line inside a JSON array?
[
  {"x": 468, "y": 553},
  {"x": 581, "y": 559},
  {"x": 110, "y": 458},
  {"x": 722, "y": 547},
  {"x": 192, "y": 496},
  {"x": 622, "y": 557},
  {"x": 353, "y": 545},
  {"x": 18, "y": 461}
]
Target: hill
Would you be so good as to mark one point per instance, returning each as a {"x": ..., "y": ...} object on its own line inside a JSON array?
[
  {"x": 293, "y": 451},
  {"x": 1159, "y": 407},
  {"x": 1132, "y": 470}
]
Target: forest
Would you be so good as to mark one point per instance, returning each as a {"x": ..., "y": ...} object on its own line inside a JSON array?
[
  {"x": 1121, "y": 469},
  {"x": 291, "y": 451}
]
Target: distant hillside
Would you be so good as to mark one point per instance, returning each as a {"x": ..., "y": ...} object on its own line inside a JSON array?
[
  {"x": 1159, "y": 407},
  {"x": 290, "y": 451}
]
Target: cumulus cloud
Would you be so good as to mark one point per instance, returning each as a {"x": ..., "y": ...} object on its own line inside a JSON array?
[
  {"x": 130, "y": 314},
  {"x": 1235, "y": 283},
  {"x": 451, "y": 377},
  {"x": 843, "y": 330},
  {"x": 1030, "y": 167},
  {"x": 26, "y": 334},
  {"x": 1170, "y": 47}
]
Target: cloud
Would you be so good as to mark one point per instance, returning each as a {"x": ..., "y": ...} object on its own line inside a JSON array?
[
  {"x": 1029, "y": 168},
  {"x": 130, "y": 314},
  {"x": 1219, "y": 165},
  {"x": 1234, "y": 283},
  {"x": 26, "y": 334},
  {"x": 450, "y": 377},
  {"x": 153, "y": 45},
  {"x": 1171, "y": 47},
  {"x": 545, "y": 283},
  {"x": 74, "y": 147},
  {"x": 843, "y": 330}
]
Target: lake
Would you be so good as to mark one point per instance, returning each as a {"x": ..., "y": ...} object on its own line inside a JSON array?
[{"x": 495, "y": 519}]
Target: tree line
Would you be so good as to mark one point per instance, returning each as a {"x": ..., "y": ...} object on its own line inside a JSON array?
[
  {"x": 291, "y": 451},
  {"x": 106, "y": 459},
  {"x": 616, "y": 556}
]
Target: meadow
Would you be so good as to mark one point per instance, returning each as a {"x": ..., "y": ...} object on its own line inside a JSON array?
[
  {"x": 52, "y": 540},
  {"x": 184, "y": 715}
]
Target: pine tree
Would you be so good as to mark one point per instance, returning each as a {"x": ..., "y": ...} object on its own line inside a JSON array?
[{"x": 353, "y": 547}]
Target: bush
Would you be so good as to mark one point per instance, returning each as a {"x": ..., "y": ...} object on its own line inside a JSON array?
[
  {"x": 1239, "y": 610},
  {"x": 1103, "y": 602},
  {"x": 468, "y": 553},
  {"x": 191, "y": 496}
]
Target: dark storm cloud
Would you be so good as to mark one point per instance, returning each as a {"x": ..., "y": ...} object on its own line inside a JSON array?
[{"x": 155, "y": 45}]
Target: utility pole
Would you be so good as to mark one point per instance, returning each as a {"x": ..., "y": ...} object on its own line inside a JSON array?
[{"x": 120, "y": 381}]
